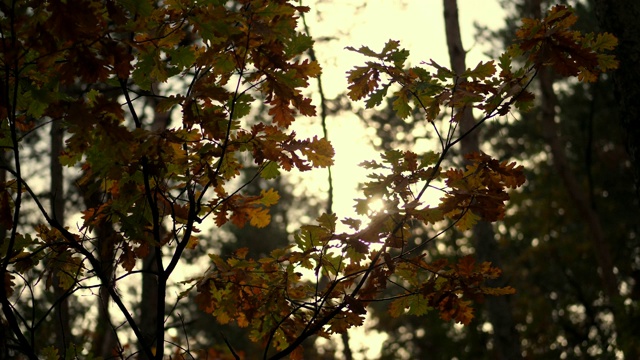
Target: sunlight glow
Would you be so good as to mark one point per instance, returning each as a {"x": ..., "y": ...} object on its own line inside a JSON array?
[{"x": 376, "y": 205}]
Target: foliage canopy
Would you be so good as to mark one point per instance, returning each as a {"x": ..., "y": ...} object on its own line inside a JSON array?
[{"x": 96, "y": 66}]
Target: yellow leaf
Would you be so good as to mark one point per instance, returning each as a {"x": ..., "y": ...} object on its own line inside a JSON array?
[
  {"x": 269, "y": 197},
  {"x": 467, "y": 221},
  {"x": 259, "y": 217}
]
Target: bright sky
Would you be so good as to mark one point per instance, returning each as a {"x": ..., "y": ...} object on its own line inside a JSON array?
[{"x": 419, "y": 26}]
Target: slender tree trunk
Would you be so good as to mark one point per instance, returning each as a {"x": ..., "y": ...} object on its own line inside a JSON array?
[
  {"x": 62, "y": 321},
  {"x": 150, "y": 319},
  {"x": 346, "y": 353},
  {"x": 104, "y": 334},
  {"x": 505, "y": 337},
  {"x": 148, "y": 301}
]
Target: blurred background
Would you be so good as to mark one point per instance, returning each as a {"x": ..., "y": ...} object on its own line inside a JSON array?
[{"x": 569, "y": 243}]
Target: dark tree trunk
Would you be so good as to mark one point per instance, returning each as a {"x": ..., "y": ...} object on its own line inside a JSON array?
[
  {"x": 62, "y": 321},
  {"x": 152, "y": 297},
  {"x": 505, "y": 337}
]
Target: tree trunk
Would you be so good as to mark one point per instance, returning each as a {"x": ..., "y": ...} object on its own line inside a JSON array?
[
  {"x": 150, "y": 318},
  {"x": 104, "y": 340},
  {"x": 149, "y": 302},
  {"x": 505, "y": 337},
  {"x": 62, "y": 321}
]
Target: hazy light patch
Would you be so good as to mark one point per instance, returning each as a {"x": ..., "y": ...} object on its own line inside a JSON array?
[
  {"x": 487, "y": 327},
  {"x": 376, "y": 205}
]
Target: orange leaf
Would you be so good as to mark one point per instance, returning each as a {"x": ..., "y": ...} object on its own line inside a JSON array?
[{"x": 282, "y": 114}]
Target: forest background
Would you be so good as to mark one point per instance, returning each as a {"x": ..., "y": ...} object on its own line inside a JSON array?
[{"x": 579, "y": 194}]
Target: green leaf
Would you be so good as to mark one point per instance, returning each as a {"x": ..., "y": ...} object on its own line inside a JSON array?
[
  {"x": 389, "y": 47},
  {"x": 298, "y": 44},
  {"x": 242, "y": 106},
  {"x": 429, "y": 158},
  {"x": 429, "y": 215},
  {"x": 364, "y": 50},
  {"x": 482, "y": 71},
  {"x": 376, "y": 97},
  {"x": 50, "y": 353},
  {"x": 605, "y": 41},
  {"x": 401, "y": 105},
  {"x": 143, "y": 8},
  {"x": 361, "y": 206},
  {"x": 328, "y": 221},
  {"x": 36, "y": 108},
  {"x": 37, "y": 101},
  {"x": 142, "y": 73},
  {"x": 505, "y": 62},
  {"x": 182, "y": 57},
  {"x": 392, "y": 156},
  {"x": 270, "y": 171},
  {"x": 443, "y": 73},
  {"x": 398, "y": 58},
  {"x": 92, "y": 96},
  {"x": 310, "y": 236},
  {"x": 167, "y": 103},
  {"x": 418, "y": 305},
  {"x": 397, "y": 306}
]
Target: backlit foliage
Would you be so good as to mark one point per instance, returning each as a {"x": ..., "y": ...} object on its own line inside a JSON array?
[{"x": 92, "y": 64}]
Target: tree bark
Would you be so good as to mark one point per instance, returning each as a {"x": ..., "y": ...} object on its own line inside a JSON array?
[
  {"x": 505, "y": 337},
  {"x": 104, "y": 339},
  {"x": 150, "y": 319},
  {"x": 62, "y": 320}
]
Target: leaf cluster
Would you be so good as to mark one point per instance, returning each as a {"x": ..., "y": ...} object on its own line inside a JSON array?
[{"x": 97, "y": 68}]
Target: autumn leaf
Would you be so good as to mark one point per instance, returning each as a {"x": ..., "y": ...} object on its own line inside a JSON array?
[
  {"x": 259, "y": 217},
  {"x": 159, "y": 107},
  {"x": 269, "y": 197},
  {"x": 467, "y": 220},
  {"x": 428, "y": 215},
  {"x": 282, "y": 115},
  {"x": 8, "y": 283},
  {"x": 319, "y": 151},
  {"x": 481, "y": 71},
  {"x": 363, "y": 80}
]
